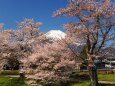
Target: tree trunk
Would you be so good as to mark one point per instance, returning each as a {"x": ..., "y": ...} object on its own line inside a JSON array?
[{"x": 93, "y": 75}]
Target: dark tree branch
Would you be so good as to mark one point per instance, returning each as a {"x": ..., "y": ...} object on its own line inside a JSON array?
[{"x": 104, "y": 38}]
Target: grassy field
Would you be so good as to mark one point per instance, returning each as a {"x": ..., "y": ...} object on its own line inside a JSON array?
[
  {"x": 107, "y": 77},
  {"x": 8, "y": 81},
  {"x": 89, "y": 84},
  {"x": 101, "y": 77},
  {"x": 81, "y": 84}
]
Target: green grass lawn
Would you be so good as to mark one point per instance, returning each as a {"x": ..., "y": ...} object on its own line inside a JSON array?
[
  {"x": 82, "y": 84},
  {"x": 107, "y": 77},
  {"x": 89, "y": 84},
  {"x": 101, "y": 77},
  {"x": 7, "y": 81},
  {"x": 4, "y": 81}
]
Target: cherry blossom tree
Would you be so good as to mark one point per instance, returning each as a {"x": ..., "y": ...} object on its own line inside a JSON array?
[
  {"x": 16, "y": 44},
  {"x": 49, "y": 62},
  {"x": 94, "y": 26},
  {"x": 28, "y": 29},
  {"x": 6, "y": 46}
]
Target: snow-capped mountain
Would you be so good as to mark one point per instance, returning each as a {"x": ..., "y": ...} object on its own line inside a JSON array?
[{"x": 55, "y": 35}]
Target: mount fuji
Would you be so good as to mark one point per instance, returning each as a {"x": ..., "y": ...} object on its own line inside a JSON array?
[{"x": 55, "y": 35}]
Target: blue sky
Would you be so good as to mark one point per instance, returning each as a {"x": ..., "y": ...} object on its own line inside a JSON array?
[{"x": 14, "y": 11}]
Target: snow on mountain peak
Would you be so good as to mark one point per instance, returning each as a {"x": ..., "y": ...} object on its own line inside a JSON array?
[{"x": 55, "y": 34}]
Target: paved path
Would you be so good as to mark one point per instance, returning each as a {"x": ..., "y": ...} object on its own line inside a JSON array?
[{"x": 107, "y": 82}]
